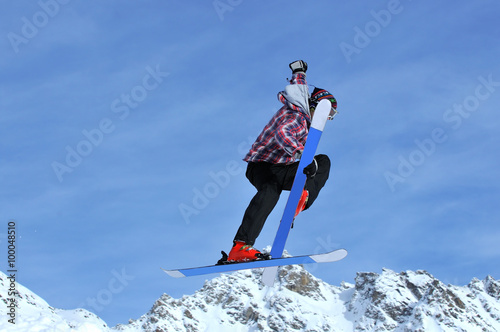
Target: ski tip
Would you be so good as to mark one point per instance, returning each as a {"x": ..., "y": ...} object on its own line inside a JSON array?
[
  {"x": 174, "y": 273},
  {"x": 343, "y": 252},
  {"x": 331, "y": 256},
  {"x": 321, "y": 114}
]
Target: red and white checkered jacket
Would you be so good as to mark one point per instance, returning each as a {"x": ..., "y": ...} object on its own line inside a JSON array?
[{"x": 286, "y": 132}]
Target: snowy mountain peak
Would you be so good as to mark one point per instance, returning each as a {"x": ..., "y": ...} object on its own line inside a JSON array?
[
  {"x": 416, "y": 301},
  {"x": 32, "y": 313},
  {"x": 239, "y": 302},
  {"x": 389, "y": 301}
]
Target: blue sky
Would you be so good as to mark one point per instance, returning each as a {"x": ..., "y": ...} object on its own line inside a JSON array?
[{"x": 118, "y": 116}]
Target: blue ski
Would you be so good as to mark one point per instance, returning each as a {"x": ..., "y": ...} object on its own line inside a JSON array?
[
  {"x": 331, "y": 256},
  {"x": 317, "y": 125}
]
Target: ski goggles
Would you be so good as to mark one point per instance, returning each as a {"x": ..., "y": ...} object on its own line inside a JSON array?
[{"x": 333, "y": 112}]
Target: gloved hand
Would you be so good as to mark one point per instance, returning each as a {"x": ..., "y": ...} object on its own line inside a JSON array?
[
  {"x": 311, "y": 169},
  {"x": 298, "y": 154},
  {"x": 298, "y": 66}
]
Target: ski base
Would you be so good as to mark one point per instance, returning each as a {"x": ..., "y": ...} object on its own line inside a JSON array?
[{"x": 331, "y": 256}]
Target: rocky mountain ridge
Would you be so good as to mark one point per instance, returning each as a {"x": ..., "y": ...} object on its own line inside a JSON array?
[{"x": 389, "y": 301}]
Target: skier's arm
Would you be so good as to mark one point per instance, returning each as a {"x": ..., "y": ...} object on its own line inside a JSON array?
[
  {"x": 298, "y": 78},
  {"x": 296, "y": 94}
]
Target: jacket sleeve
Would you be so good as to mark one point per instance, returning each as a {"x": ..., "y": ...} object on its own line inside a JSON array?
[
  {"x": 299, "y": 78},
  {"x": 296, "y": 94}
]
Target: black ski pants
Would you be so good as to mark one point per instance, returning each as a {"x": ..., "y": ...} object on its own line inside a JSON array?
[{"x": 270, "y": 180}]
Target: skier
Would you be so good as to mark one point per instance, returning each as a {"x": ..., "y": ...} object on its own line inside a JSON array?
[{"x": 272, "y": 161}]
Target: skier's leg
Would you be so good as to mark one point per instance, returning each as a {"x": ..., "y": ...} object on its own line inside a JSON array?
[
  {"x": 315, "y": 184},
  {"x": 287, "y": 175},
  {"x": 261, "y": 205}
]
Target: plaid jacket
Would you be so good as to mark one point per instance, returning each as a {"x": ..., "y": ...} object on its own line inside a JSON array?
[{"x": 285, "y": 134}]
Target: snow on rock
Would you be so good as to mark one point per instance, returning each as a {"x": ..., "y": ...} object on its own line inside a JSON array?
[
  {"x": 416, "y": 301},
  {"x": 239, "y": 302},
  {"x": 406, "y": 301},
  {"x": 389, "y": 301}
]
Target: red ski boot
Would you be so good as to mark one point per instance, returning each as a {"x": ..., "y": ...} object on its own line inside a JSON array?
[
  {"x": 302, "y": 202},
  {"x": 242, "y": 252}
]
